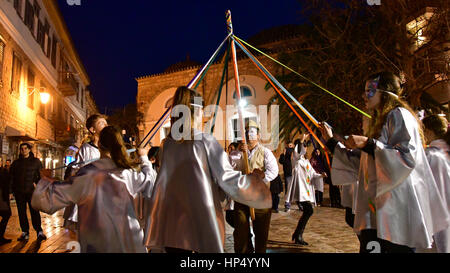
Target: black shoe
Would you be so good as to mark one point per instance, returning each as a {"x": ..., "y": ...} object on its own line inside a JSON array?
[
  {"x": 3, "y": 241},
  {"x": 298, "y": 239},
  {"x": 24, "y": 236},
  {"x": 274, "y": 211},
  {"x": 41, "y": 236}
]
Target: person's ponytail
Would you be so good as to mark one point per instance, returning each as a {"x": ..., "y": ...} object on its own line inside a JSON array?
[{"x": 111, "y": 141}]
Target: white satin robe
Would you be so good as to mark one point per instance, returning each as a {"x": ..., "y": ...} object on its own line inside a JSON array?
[
  {"x": 396, "y": 193},
  {"x": 186, "y": 209},
  {"x": 301, "y": 188},
  {"x": 107, "y": 220},
  {"x": 440, "y": 165},
  {"x": 87, "y": 154}
]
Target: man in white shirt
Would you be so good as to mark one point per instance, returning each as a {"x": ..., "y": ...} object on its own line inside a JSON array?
[{"x": 261, "y": 158}]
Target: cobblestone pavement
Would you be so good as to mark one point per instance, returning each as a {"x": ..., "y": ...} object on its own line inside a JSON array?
[{"x": 326, "y": 232}]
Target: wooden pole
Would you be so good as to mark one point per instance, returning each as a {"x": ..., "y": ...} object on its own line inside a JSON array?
[{"x": 238, "y": 95}]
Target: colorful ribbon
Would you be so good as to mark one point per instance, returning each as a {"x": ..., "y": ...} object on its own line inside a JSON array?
[
  {"x": 266, "y": 74},
  {"x": 303, "y": 77}
]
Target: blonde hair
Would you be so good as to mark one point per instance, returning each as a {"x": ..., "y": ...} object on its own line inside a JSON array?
[{"x": 388, "y": 81}]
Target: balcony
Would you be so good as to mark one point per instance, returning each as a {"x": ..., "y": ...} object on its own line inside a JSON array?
[{"x": 67, "y": 84}]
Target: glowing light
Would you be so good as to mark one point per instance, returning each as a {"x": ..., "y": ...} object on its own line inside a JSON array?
[
  {"x": 45, "y": 97},
  {"x": 242, "y": 103}
]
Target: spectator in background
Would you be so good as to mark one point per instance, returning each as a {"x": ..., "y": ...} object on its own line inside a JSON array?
[
  {"x": 276, "y": 186},
  {"x": 285, "y": 160},
  {"x": 317, "y": 163},
  {"x": 24, "y": 176},
  {"x": 5, "y": 209}
]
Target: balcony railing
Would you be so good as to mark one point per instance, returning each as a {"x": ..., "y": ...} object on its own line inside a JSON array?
[{"x": 67, "y": 84}]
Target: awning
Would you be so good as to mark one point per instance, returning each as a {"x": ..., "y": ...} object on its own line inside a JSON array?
[
  {"x": 17, "y": 135},
  {"x": 50, "y": 143}
]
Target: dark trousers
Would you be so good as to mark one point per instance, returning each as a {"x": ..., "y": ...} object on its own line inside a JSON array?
[
  {"x": 22, "y": 199},
  {"x": 307, "y": 213},
  {"x": 319, "y": 197},
  {"x": 370, "y": 235},
  {"x": 349, "y": 217},
  {"x": 335, "y": 196},
  {"x": 5, "y": 214},
  {"x": 275, "y": 201},
  {"x": 241, "y": 234}
]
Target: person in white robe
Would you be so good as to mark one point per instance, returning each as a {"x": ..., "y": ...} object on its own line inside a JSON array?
[
  {"x": 438, "y": 155},
  {"x": 104, "y": 191},
  {"x": 186, "y": 208},
  {"x": 301, "y": 190},
  {"x": 397, "y": 202},
  {"x": 87, "y": 154}
]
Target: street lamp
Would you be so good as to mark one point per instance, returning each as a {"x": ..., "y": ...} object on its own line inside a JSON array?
[{"x": 45, "y": 96}]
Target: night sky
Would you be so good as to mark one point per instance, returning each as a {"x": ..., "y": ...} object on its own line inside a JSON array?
[{"x": 121, "y": 40}]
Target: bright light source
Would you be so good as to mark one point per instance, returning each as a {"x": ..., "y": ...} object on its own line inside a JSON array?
[
  {"x": 242, "y": 103},
  {"x": 45, "y": 97}
]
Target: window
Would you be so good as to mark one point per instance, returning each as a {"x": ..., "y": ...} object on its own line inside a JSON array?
[
  {"x": 54, "y": 51},
  {"x": 37, "y": 9},
  {"x": 29, "y": 16},
  {"x": 50, "y": 106},
  {"x": 40, "y": 34},
  {"x": 236, "y": 135},
  {"x": 30, "y": 92},
  {"x": 49, "y": 46},
  {"x": 245, "y": 92},
  {"x": 18, "y": 7},
  {"x": 15, "y": 75},
  {"x": 46, "y": 36},
  {"x": 2, "y": 53},
  {"x": 41, "y": 105}
]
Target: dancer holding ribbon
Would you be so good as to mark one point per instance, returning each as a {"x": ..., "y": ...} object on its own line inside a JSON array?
[
  {"x": 301, "y": 190},
  {"x": 395, "y": 187},
  {"x": 185, "y": 212},
  {"x": 104, "y": 191}
]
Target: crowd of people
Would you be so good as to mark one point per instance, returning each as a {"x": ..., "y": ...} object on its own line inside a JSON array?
[{"x": 394, "y": 188}]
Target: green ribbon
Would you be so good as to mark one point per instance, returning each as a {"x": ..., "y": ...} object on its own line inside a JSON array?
[
  {"x": 225, "y": 68},
  {"x": 303, "y": 77}
]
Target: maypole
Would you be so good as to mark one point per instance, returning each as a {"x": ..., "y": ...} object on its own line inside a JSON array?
[{"x": 246, "y": 169}]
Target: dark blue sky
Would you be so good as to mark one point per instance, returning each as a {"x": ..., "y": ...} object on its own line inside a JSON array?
[{"x": 120, "y": 40}]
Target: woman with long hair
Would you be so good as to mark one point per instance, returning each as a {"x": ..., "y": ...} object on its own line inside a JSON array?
[
  {"x": 185, "y": 209},
  {"x": 394, "y": 191},
  {"x": 104, "y": 192},
  {"x": 438, "y": 155}
]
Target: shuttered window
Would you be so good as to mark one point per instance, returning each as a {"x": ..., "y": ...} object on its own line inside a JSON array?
[
  {"x": 2, "y": 53},
  {"x": 15, "y": 75},
  {"x": 30, "y": 90}
]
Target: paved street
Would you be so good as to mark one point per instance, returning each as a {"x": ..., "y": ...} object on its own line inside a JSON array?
[{"x": 326, "y": 232}]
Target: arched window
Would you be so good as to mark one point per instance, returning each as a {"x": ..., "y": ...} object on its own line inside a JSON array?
[{"x": 245, "y": 92}]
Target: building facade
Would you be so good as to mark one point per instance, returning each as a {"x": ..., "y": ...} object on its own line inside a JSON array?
[{"x": 37, "y": 57}]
